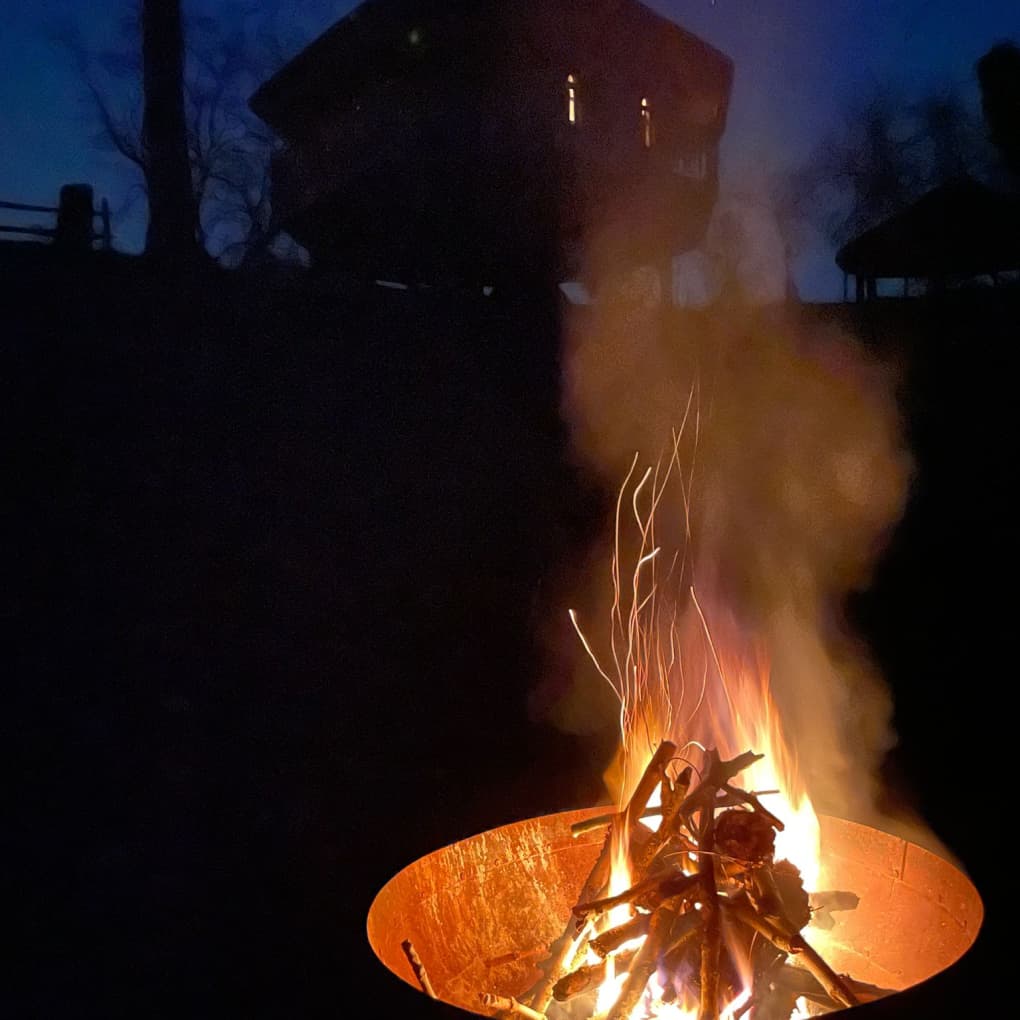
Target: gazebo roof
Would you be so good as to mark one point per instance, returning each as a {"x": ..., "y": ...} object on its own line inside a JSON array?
[{"x": 960, "y": 228}]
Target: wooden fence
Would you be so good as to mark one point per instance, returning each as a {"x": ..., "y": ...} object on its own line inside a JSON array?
[{"x": 75, "y": 225}]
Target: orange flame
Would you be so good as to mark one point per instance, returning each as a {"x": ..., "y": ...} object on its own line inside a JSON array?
[{"x": 685, "y": 669}]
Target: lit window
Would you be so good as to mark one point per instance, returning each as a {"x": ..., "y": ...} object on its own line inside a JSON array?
[
  {"x": 571, "y": 99},
  {"x": 646, "y": 122}
]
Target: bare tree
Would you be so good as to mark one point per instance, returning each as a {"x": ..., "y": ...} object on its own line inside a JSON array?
[
  {"x": 888, "y": 153},
  {"x": 228, "y": 149},
  {"x": 999, "y": 75}
]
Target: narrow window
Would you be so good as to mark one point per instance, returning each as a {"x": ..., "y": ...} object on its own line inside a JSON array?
[
  {"x": 646, "y": 122},
  {"x": 571, "y": 99}
]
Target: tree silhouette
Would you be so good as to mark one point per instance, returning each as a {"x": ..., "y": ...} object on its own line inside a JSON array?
[
  {"x": 228, "y": 147},
  {"x": 889, "y": 151},
  {"x": 999, "y": 76},
  {"x": 173, "y": 210}
]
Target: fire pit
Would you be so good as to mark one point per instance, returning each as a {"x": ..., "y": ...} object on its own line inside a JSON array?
[
  {"x": 482, "y": 912},
  {"x": 713, "y": 891}
]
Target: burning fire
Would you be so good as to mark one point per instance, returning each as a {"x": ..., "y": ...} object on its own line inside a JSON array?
[{"x": 685, "y": 671}]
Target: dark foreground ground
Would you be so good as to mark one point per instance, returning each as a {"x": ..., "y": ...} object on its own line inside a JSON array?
[{"x": 274, "y": 555}]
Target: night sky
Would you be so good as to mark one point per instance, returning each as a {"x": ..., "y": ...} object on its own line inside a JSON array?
[{"x": 798, "y": 64}]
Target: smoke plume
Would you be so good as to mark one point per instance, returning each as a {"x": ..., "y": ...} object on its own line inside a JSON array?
[{"x": 790, "y": 474}]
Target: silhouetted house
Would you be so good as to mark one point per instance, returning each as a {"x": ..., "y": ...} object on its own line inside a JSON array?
[
  {"x": 448, "y": 139},
  {"x": 958, "y": 231}
]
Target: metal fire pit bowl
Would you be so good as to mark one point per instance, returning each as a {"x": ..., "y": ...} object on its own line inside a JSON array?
[{"x": 511, "y": 889}]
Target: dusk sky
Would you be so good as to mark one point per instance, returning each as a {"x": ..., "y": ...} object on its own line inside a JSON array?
[{"x": 798, "y": 64}]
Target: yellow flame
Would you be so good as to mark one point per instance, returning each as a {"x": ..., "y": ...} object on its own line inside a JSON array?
[{"x": 684, "y": 668}]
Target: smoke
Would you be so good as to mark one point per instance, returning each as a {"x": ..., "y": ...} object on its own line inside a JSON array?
[{"x": 790, "y": 476}]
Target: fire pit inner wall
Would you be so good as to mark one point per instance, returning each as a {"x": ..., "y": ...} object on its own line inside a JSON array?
[{"x": 469, "y": 906}]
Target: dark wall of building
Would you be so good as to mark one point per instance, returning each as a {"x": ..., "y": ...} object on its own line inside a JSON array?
[{"x": 454, "y": 154}]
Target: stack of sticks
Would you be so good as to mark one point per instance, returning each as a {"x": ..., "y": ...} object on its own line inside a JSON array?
[{"x": 707, "y": 903}]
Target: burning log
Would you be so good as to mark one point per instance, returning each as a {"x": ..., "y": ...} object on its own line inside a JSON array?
[
  {"x": 604, "y": 944},
  {"x": 711, "y": 941},
  {"x": 541, "y": 995},
  {"x": 725, "y": 871},
  {"x": 777, "y": 892},
  {"x": 645, "y": 961},
  {"x": 601, "y": 821},
  {"x": 668, "y": 828},
  {"x": 587, "y": 977},
  {"x": 647, "y": 894},
  {"x": 836, "y": 988}
]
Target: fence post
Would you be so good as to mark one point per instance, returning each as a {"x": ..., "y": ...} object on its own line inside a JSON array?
[{"x": 74, "y": 218}]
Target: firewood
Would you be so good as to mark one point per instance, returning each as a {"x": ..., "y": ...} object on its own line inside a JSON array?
[
  {"x": 600, "y": 821},
  {"x": 730, "y": 837},
  {"x": 541, "y": 994},
  {"x": 682, "y": 939},
  {"x": 645, "y": 960},
  {"x": 612, "y": 939},
  {"x": 795, "y": 944},
  {"x": 668, "y": 826},
  {"x": 590, "y": 976},
  {"x": 647, "y": 894},
  {"x": 508, "y": 1004},
  {"x": 418, "y": 967},
  {"x": 717, "y": 774},
  {"x": 651, "y": 778},
  {"x": 800, "y": 981},
  {"x": 711, "y": 939},
  {"x": 794, "y": 900},
  {"x": 777, "y": 893},
  {"x": 731, "y": 796}
]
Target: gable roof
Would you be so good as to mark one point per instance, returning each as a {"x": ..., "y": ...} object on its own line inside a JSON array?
[{"x": 377, "y": 34}]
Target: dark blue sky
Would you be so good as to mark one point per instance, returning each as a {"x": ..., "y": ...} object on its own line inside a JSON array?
[{"x": 798, "y": 63}]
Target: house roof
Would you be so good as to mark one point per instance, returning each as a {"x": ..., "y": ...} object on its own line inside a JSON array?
[
  {"x": 960, "y": 228},
  {"x": 377, "y": 31}
]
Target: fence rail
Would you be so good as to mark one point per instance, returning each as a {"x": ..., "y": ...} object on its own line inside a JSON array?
[{"x": 75, "y": 227}]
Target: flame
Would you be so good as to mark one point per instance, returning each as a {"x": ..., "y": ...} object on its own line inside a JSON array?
[{"x": 685, "y": 668}]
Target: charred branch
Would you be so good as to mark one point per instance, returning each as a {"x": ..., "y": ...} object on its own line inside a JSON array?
[
  {"x": 647, "y": 894},
  {"x": 645, "y": 961},
  {"x": 611, "y": 940},
  {"x": 795, "y": 945},
  {"x": 590, "y": 976}
]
